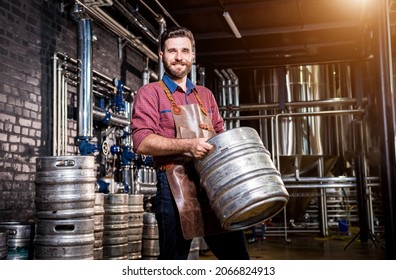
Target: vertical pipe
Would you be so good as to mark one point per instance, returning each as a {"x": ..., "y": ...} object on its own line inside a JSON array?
[
  {"x": 64, "y": 116},
  {"x": 235, "y": 85},
  {"x": 323, "y": 201},
  {"x": 193, "y": 72},
  {"x": 84, "y": 55},
  {"x": 128, "y": 169},
  {"x": 146, "y": 74},
  {"x": 58, "y": 107},
  {"x": 162, "y": 27},
  {"x": 85, "y": 85},
  {"x": 127, "y": 178},
  {"x": 229, "y": 95},
  {"x": 361, "y": 181},
  {"x": 284, "y": 79},
  {"x": 261, "y": 100},
  {"x": 387, "y": 131},
  {"x": 223, "y": 94},
  {"x": 54, "y": 95},
  {"x": 127, "y": 129},
  {"x": 360, "y": 168},
  {"x": 202, "y": 75}
]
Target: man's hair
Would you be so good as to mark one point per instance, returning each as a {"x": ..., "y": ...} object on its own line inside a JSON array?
[{"x": 176, "y": 32}]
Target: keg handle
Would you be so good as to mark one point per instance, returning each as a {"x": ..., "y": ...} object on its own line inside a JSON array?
[
  {"x": 65, "y": 163},
  {"x": 12, "y": 232},
  {"x": 64, "y": 228}
]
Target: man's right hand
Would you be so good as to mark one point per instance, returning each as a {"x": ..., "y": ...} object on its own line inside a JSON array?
[{"x": 200, "y": 148}]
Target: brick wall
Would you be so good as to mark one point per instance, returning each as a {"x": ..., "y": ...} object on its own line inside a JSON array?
[{"x": 31, "y": 32}]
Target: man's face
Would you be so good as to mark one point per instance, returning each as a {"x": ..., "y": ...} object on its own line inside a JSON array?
[{"x": 177, "y": 57}]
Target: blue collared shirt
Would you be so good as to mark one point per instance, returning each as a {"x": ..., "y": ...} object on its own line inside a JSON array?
[{"x": 172, "y": 86}]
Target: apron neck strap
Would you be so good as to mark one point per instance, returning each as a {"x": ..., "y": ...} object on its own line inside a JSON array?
[{"x": 176, "y": 108}]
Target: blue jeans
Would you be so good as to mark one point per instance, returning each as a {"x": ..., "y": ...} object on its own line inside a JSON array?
[{"x": 173, "y": 246}]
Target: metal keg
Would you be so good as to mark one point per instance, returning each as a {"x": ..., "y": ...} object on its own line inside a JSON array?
[
  {"x": 65, "y": 187},
  {"x": 3, "y": 244},
  {"x": 135, "y": 223},
  {"x": 115, "y": 235},
  {"x": 98, "y": 225},
  {"x": 71, "y": 239},
  {"x": 241, "y": 181},
  {"x": 135, "y": 250},
  {"x": 20, "y": 237},
  {"x": 150, "y": 241}
]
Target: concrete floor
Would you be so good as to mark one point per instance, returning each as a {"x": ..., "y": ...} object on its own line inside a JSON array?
[{"x": 313, "y": 247}]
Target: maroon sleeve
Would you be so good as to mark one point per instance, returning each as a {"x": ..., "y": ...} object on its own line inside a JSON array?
[{"x": 145, "y": 114}]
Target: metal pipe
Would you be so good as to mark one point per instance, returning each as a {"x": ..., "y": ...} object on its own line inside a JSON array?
[
  {"x": 230, "y": 100},
  {"x": 360, "y": 182},
  {"x": 166, "y": 13},
  {"x": 222, "y": 96},
  {"x": 127, "y": 128},
  {"x": 235, "y": 85},
  {"x": 99, "y": 79},
  {"x": 274, "y": 141},
  {"x": 134, "y": 20},
  {"x": 154, "y": 76},
  {"x": 84, "y": 52},
  {"x": 127, "y": 178},
  {"x": 146, "y": 75},
  {"x": 58, "y": 107},
  {"x": 149, "y": 9},
  {"x": 202, "y": 75},
  {"x": 115, "y": 27},
  {"x": 114, "y": 118},
  {"x": 54, "y": 95},
  {"x": 296, "y": 104},
  {"x": 85, "y": 83},
  {"x": 162, "y": 28},
  {"x": 64, "y": 115},
  {"x": 193, "y": 73},
  {"x": 229, "y": 96},
  {"x": 335, "y": 112},
  {"x": 323, "y": 202},
  {"x": 59, "y": 142},
  {"x": 320, "y": 182},
  {"x": 386, "y": 113}
]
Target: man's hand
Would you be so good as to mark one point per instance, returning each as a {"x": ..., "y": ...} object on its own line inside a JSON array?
[{"x": 200, "y": 148}]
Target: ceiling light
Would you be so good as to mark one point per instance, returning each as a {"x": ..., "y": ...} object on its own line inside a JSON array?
[{"x": 232, "y": 25}]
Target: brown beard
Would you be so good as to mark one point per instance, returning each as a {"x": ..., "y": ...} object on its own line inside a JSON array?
[{"x": 177, "y": 75}]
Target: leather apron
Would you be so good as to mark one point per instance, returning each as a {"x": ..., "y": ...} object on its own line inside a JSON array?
[{"x": 196, "y": 216}]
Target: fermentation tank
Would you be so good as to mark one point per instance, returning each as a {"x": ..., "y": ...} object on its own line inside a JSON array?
[{"x": 305, "y": 122}]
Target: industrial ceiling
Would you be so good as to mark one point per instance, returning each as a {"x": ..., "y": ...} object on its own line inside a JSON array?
[{"x": 272, "y": 32}]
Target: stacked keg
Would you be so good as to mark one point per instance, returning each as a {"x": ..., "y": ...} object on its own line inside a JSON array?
[
  {"x": 65, "y": 199},
  {"x": 135, "y": 223},
  {"x": 3, "y": 244},
  {"x": 150, "y": 242},
  {"x": 115, "y": 234},
  {"x": 98, "y": 225},
  {"x": 19, "y": 242}
]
